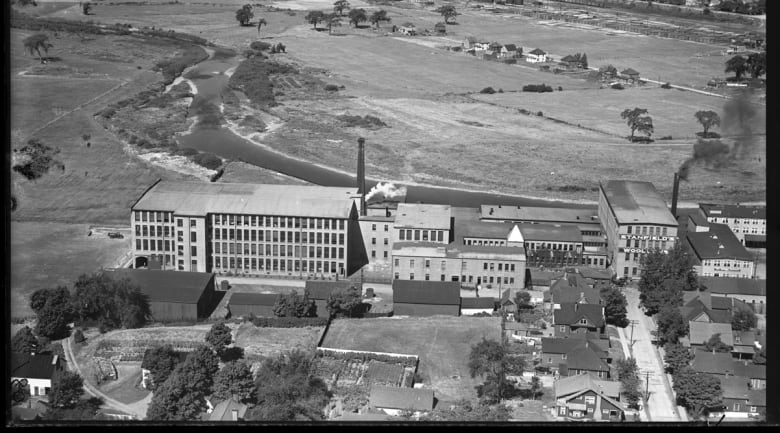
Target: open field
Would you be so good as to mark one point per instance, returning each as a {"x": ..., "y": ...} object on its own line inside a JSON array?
[
  {"x": 442, "y": 343},
  {"x": 265, "y": 342},
  {"x": 48, "y": 254}
]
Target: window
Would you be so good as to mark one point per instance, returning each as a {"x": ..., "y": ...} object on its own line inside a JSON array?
[
  {"x": 373, "y": 254},
  {"x": 373, "y": 227},
  {"x": 417, "y": 235},
  {"x": 396, "y": 262},
  {"x": 411, "y": 275},
  {"x": 562, "y": 411},
  {"x": 386, "y": 227},
  {"x": 736, "y": 407},
  {"x": 138, "y": 244},
  {"x": 411, "y": 263},
  {"x": 385, "y": 241},
  {"x": 373, "y": 241},
  {"x": 628, "y": 257},
  {"x": 583, "y": 321},
  {"x": 563, "y": 356},
  {"x": 427, "y": 277},
  {"x": 396, "y": 275},
  {"x": 384, "y": 254},
  {"x": 625, "y": 270},
  {"x": 633, "y": 271},
  {"x": 629, "y": 230},
  {"x": 441, "y": 236},
  {"x": 193, "y": 237},
  {"x": 427, "y": 263},
  {"x": 425, "y": 235},
  {"x": 663, "y": 231},
  {"x": 753, "y": 409},
  {"x": 590, "y": 399},
  {"x": 562, "y": 328},
  {"x": 628, "y": 243},
  {"x": 402, "y": 235}
]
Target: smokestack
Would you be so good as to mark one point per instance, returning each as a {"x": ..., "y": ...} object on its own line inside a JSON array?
[
  {"x": 361, "y": 176},
  {"x": 675, "y": 191}
]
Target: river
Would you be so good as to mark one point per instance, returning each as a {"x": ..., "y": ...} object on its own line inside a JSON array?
[{"x": 211, "y": 81}]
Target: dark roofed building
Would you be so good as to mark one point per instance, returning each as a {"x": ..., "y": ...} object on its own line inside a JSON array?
[
  {"x": 701, "y": 332},
  {"x": 228, "y": 410},
  {"x": 173, "y": 295},
  {"x": 754, "y": 372},
  {"x": 630, "y": 74},
  {"x": 581, "y": 397},
  {"x": 393, "y": 400},
  {"x": 717, "y": 363},
  {"x": 719, "y": 253},
  {"x": 557, "y": 352},
  {"x": 469, "y": 306},
  {"x": 748, "y": 290},
  {"x": 259, "y": 304},
  {"x": 426, "y": 298},
  {"x": 39, "y": 370},
  {"x": 574, "y": 318},
  {"x": 744, "y": 221}
]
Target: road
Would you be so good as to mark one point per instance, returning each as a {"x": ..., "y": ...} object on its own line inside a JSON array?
[{"x": 661, "y": 406}]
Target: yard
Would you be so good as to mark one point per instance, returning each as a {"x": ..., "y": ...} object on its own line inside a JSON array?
[
  {"x": 442, "y": 343},
  {"x": 266, "y": 342}
]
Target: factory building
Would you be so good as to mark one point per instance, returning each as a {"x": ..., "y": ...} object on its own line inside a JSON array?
[
  {"x": 248, "y": 229},
  {"x": 636, "y": 220},
  {"x": 748, "y": 223},
  {"x": 719, "y": 253}
]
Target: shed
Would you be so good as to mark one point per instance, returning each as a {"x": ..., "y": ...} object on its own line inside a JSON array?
[
  {"x": 259, "y": 304},
  {"x": 469, "y": 306},
  {"x": 173, "y": 295},
  {"x": 320, "y": 290},
  {"x": 392, "y": 400},
  {"x": 426, "y": 298}
]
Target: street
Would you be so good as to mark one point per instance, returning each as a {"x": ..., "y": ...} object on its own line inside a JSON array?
[{"x": 661, "y": 406}]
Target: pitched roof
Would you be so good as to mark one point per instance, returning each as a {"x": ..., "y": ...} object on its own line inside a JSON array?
[
  {"x": 565, "y": 346},
  {"x": 510, "y": 47},
  {"x": 700, "y": 332},
  {"x": 734, "y": 286},
  {"x": 570, "y": 314},
  {"x": 629, "y": 71},
  {"x": 569, "y": 58},
  {"x": 718, "y": 243},
  {"x": 201, "y": 198},
  {"x": 321, "y": 289},
  {"x": 744, "y": 338},
  {"x": 224, "y": 410},
  {"x": 483, "y": 302},
  {"x": 733, "y": 211},
  {"x": 36, "y": 366},
  {"x": 757, "y": 397},
  {"x": 167, "y": 286},
  {"x": 563, "y": 293},
  {"x": 734, "y": 387},
  {"x": 713, "y": 363},
  {"x": 392, "y": 397},
  {"x": 749, "y": 370},
  {"x": 426, "y": 292},
  {"x": 537, "y": 52},
  {"x": 265, "y": 299},
  {"x": 471, "y": 39},
  {"x": 637, "y": 202},
  {"x": 594, "y": 274},
  {"x": 585, "y": 358},
  {"x": 569, "y": 385}
]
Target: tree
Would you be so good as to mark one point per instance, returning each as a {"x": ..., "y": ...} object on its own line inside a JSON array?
[
  {"x": 182, "y": 395},
  {"x": 315, "y": 17},
  {"x": 54, "y": 312},
  {"x": 111, "y": 302},
  {"x": 696, "y": 391},
  {"x": 715, "y": 344},
  {"x": 357, "y": 16},
  {"x": 708, "y": 119},
  {"x": 24, "y": 3},
  {"x": 260, "y": 23},
  {"x": 637, "y": 122},
  {"x": 523, "y": 299},
  {"x": 66, "y": 389},
  {"x": 379, "y": 16},
  {"x": 39, "y": 159},
  {"x": 760, "y": 356},
  {"x": 490, "y": 360},
  {"x": 738, "y": 65},
  {"x": 615, "y": 306},
  {"x": 293, "y": 305},
  {"x": 200, "y": 366},
  {"x": 447, "y": 11},
  {"x": 86, "y": 409},
  {"x": 78, "y": 336},
  {"x": 333, "y": 20},
  {"x": 244, "y": 15},
  {"x": 219, "y": 337},
  {"x": 344, "y": 302},
  {"x": 286, "y": 391},
  {"x": 584, "y": 61},
  {"x": 440, "y": 28},
  {"x": 37, "y": 42},
  {"x": 465, "y": 410},
  {"x": 340, "y": 5},
  {"x": 86, "y": 8},
  {"x": 671, "y": 325},
  {"x": 628, "y": 374},
  {"x": 24, "y": 341},
  {"x": 743, "y": 319},
  {"x": 756, "y": 64},
  {"x": 234, "y": 381},
  {"x": 160, "y": 361},
  {"x": 676, "y": 357},
  {"x": 665, "y": 276}
]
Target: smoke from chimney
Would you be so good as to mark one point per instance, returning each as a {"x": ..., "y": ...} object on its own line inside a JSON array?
[
  {"x": 361, "y": 175},
  {"x": 388, "y": 190}
]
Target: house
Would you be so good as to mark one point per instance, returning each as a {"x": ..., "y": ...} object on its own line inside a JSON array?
[
  {"x": 227, "y": 410},
  {"x": 490, "y": 55},
  {"x": 408, "y": 29},
  {"x": 509, "y": 51},
  {"x": 574, "y": 318},
  {"x": 536, "y": 56},
  {"x": 39, "y": 370},
  {"x": 698, "y": 307},
  {"x": 629, "y": 75},
  {"x": 581, "y": 397},
  {"x": 745, "y": 344},
  {"x": 562, "y": 292},
  {"x": 507, "y": 303},
  {"x": 701, "y": 332},
  {"x": 393, "y": 400},
  {"x": 543, "y": 280},
  {"x": 426, "y": 298},
  {"x": 754, "y": 372},
  {"x": 440, "y": 28},
  {"x": 259, "y": 304},
  {"x": 173, "y": 295},
  {"x": 571, "y": 62},
  {"x": 572, "y": 356},
  {"x": 469, "y": 42},
  {"x": 717, "y": 363},
  {"x": 495, "y": 48},
  {"x": 757, "y": 402},
  {"x": 750, "y": 291},
  {"x": 470, "y": 306},
  {"x": 482, "y": 45},
  {"x": 735, "y": 396},
  {"x": 320, "y": 291}
]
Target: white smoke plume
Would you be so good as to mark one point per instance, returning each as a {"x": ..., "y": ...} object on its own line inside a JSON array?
[{"x": 388, "y": 190}]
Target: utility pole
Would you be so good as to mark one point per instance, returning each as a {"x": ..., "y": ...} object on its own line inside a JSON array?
[
  {"x": 647, "y": 386},
  {"x": 631, "y": 344}
]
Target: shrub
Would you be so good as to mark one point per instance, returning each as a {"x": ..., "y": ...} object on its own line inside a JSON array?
[
  {"x": 107, "y": 113},
  {"x": 488, "y": 90},
  {"x": 186, "y": 151},
  {"x": 78, "y": 336},
  {"x": 666, "y": 86},
  {"x": 288, "y": 322},
  {"x": 331, "y": 88},
  {"x": 366, "y": 121},
  {"x": 560, "y": 89},
  {"x": 539, "y": 88},
  {"x": 618, "y": 86},
  {"x": 259, "y": 46},
  {"x": 500, "y": 90},
  {"x": 706, "y": 11},
  {"x": 252, "y": 77},
  {"x": 208, "y": 160},
  {"x": 539, "y": 113}
]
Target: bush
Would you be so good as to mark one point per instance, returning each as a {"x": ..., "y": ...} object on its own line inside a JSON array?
[
  {"x": 617, "y": 86},
  {"x": 78, "y": 336},
  {"x": 186, "y": 151},
  {"x": 560, "y": 89},
  {"x": 488, "y": 90},
  {"x": 259, "y": 46},
  {"x": 208, "y": 160},
  {"x": 500, "y": 90},
  {"x": 288, "y": 322},
  {"x": 331, "y": 88},
  {"x": 252, "y": 77},
  {"x": 366, "y": 121},
  {"x": 707, "y": 11},
  {"x": 539, "y": 88},
  {"x": 666, "y": 86},
  {"x": 107, "y": 113},
  {"x": 539, "y": 113}
]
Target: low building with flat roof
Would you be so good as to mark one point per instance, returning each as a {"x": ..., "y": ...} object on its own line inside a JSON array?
[
  {"x": 636, "y": 220},
  {"x": 719, "y": 253},
  {"x": 744, "y": 221}
]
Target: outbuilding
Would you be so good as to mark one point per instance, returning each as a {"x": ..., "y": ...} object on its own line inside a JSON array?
[
  {"x": 393, "y": 400},
  {"x": 470, "y": 306},
  {"x": 259, "y": 304},
  {"x": 37, "y": 370},
  {"x": 426, "y": 298}
]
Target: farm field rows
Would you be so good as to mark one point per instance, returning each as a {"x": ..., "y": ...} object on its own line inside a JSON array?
[{"x": 442, "y": 343}]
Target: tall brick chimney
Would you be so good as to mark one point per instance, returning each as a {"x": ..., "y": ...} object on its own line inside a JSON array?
[
  {"x": 675, "y": 191},
  {"x": 361, "y": 175}
]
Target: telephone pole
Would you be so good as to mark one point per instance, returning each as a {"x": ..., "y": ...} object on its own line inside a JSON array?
[{"x": 631, "y": 343}]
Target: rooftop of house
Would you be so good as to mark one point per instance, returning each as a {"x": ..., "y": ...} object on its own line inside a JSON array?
[
  {"x": 423, "y": 216},
  {"x": 757, "y": 397},
  {"x": 637, "y": 202},
  {"x": 321, "y": 289},
  {"x": 510, "y": 47},
  {"x": 734, "y": 286},
  {"x": 749, "y": 370},
  {"x": 478, "y": 303},
  {"x": 265, "y": 299},
  {"x": 38, "y": 366},
  {"x": 571, "y": 314},
  {"x": 201, "y": 198},
  {"x": 564, "y": 346},
  {"x": 562, "y": 293},
  {"x": 538, "y": 52},
  {"x": 734, "y": 387},
  {"x": 717, "y": 243},
  {"x": 593, "y": 274},
  {"x": 573, "y": 384},
  {"x": 585, "y": 358},
  {"x": 426, "y": 292},
  {"x": 539, "y": 214},
  {"x": 629, "y": 71},
  {"x": 166, "y": 286},
  {"x": 393, "y": 397},
  {"x": 733, "y": 211},
  {"x": 569, "y": 58},
  {"x": 713, "y": 363},
  {"x": 701, "y": 332},
  {"x": 223, "y": 411}
]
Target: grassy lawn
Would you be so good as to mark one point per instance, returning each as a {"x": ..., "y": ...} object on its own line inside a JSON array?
[
  {"x": 442, "y": 343},
  {"x": 127, "y": 388},
  {"x": 265, "y": 342}
]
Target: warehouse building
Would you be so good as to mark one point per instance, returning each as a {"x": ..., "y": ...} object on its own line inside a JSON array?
[
  {"x": 426, "y": 298},
  {"x": 173, "y": 296},
  {"x": 249, "y": 229},
  {"x": 259, "y": 304},
  {"x": 748, "y": 223},
  {"x": 719, "y": 253},
  {"x": 636, "y": 220}
]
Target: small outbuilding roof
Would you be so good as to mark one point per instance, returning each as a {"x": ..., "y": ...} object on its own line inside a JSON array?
[
  {"x": 734, "y": 286},
  {"x": 713, "y": 363},
  {"x": 701, "y": 332},
  {"x": 629, "y": 71},
  {"x": 510, "y": 47},
  {"x": 393, "y": 397},
  {"x": 224, "y": 410},
  {"x": 474, "y": 303},
  {"x": 426, "y": 292}
]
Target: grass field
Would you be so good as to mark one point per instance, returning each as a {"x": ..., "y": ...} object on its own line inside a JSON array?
[
  {"x": 265, "y": 342},
  {"x": 442, "y": 343}
]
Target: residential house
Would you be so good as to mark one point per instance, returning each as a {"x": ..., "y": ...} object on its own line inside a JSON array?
[
  {"x": 572, "y": 356},
  {"x": 39, "y": 370},
  {"x": 754, "y": 372},
  {"x": 536, "y": 56},
  {"x": 718, "y": 363},
  {"x": 735, "y": 396},
  {"x": 565, "y": 292},
  {"x": 745, "y": 344},
  {"x": 469, "y": 43},
  {"x": 426, "y": 298},
  {"x": 757, "y": 402},
  {"x": 509, "y": 51},
  {"x": 572, "y": 318},
  {"x": 571, "y": 62},
  {"x": 701, "y": 332},
  {"x": 507, "y": 303},
  {"x": 408, "y": 29},
  {"x": 581, "y": 397},
  {"x": 495, "y": 48},
  {"x": 393, "y": 400},
  {"x": 750, "y": 291},
  {"x": 227, "y": 410},
  {"x": 699, "y": 307},
  {"x": 471, "y": 306}
]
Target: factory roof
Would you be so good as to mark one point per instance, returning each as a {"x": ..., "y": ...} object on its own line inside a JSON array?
[
  {"x": 637, "y": 203},
  {"x": 489, "y": 230},
  {"x": 550, "y": 233},
  {"x": 481, "y": 251},
  {"x": 717, "y": 243},
  {"x": 734, "y": 286},
  {"x": 423, "y": 216},
  {"x": 201, "y": 198},
  {"x": 166, "y": 286},
  {"x": 733, "y": 211},
  {"x": 539, "y": 214}
]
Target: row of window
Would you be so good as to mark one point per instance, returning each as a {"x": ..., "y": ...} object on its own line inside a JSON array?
[
  {"x": 510, "y": 267},
  {"x": 373, "y": 227},
  {"x": 646, "y": 244},
  {"x": 469, "y": 278},
  {"x": 633, "y": 271},
  {"x": 555, "y": 246},
  {"x": 727, "y": 263},
  {"x": 278, "y": 250},
  {"x": 151, "y": 216},
  {"x": 278, "y": 265},
  {"x": 738, "y": 221},
  {"x": 424, "y": 235},
  {"x": 279, "y": 236},
  {"x": 485, "y": 243},
  {"x": 275, "y": 221},
  {"x": 373, "y": 254},
  {"x": 753, "y": 231},
  {"x": 645, "y": 231},
  {"x": 373, "y": 241}
]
